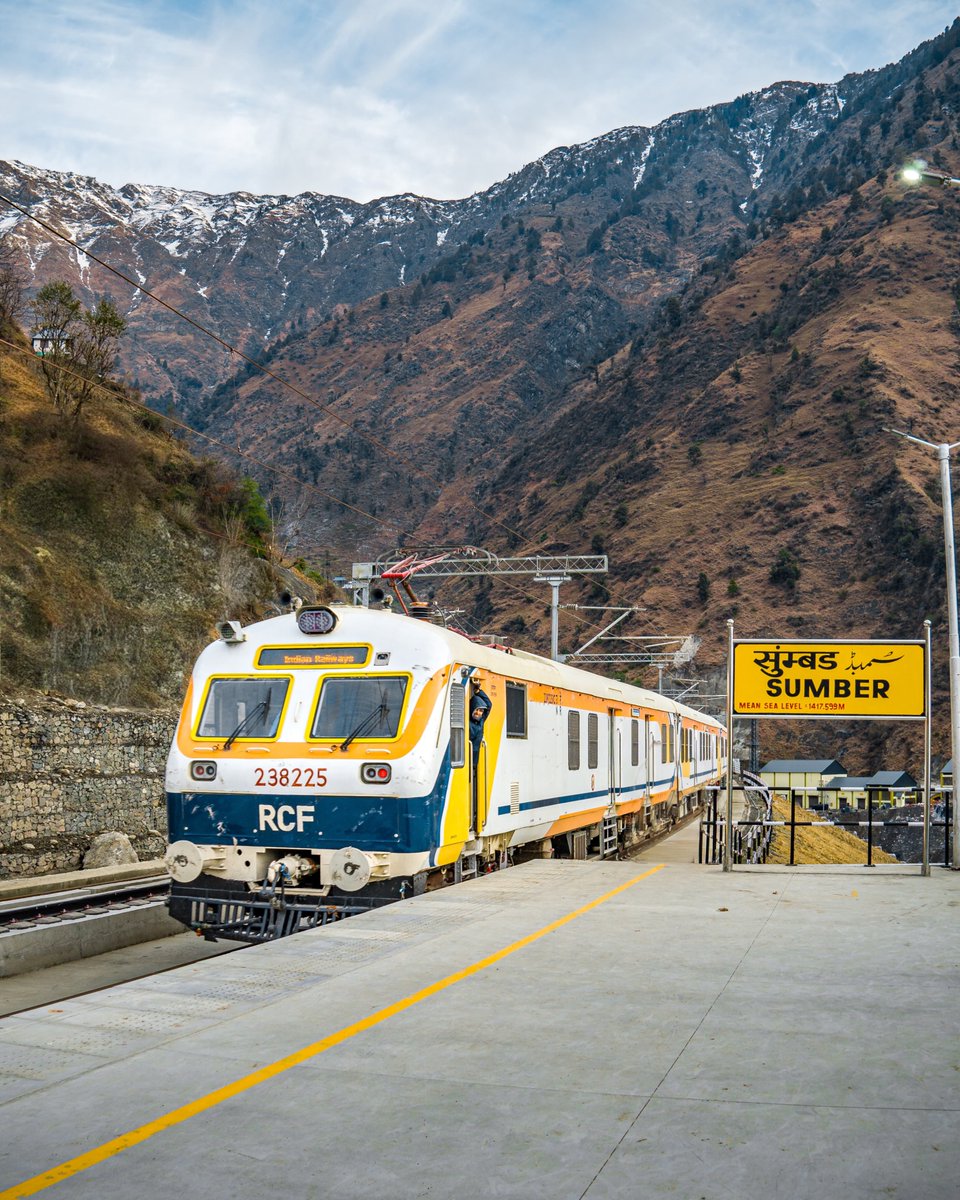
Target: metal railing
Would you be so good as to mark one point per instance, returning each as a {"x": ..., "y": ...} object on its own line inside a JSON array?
[{"x": 752, "y": 835}]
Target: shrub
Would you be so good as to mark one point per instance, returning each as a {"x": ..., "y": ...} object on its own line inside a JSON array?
[{"x": 786, "y": 570}]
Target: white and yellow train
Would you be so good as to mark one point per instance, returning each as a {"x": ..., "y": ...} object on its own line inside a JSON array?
[{"x": 326, "y": 753}]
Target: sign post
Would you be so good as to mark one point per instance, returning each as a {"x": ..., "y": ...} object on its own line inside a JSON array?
[
  {"x": 829, "y": 680},
  {"x": 728, "y": 832}
]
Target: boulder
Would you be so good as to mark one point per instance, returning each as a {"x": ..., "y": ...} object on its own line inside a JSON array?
[{"x": 109, "y": 850}]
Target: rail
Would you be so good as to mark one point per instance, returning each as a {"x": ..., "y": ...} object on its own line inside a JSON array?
[{"x": 93, "y": 900}]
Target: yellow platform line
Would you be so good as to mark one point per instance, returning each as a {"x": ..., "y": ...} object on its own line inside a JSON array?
[{"x": 73, "y": 1166}]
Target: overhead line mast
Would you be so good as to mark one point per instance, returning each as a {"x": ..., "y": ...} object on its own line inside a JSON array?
[{"x": 440, "y": 562}]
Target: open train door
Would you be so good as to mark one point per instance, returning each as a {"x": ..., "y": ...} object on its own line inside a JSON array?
[
  {"x": 608, "y": 827},
  {"x": 613, "y": 758},
  {"x": 676, "y": 767},
  {"x": 460, "y": 807}
]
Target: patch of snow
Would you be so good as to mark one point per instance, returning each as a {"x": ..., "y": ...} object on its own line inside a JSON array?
[
  {"x": 442, "y": 235},
  {"x": 403, "y": 274},
  {"x": 640, "y": 168},
  {"x": 83, "y": 264},
  {"x": 201, "y": 290}
]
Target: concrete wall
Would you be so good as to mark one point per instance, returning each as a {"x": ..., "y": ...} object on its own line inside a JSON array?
[{"x": 69, "y": 771}]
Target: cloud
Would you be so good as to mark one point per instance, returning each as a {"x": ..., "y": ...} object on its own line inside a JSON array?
[{"x": 370, "y": 97}]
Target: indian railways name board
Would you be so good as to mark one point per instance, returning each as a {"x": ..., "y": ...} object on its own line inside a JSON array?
[{"x": 829, "y": 679}]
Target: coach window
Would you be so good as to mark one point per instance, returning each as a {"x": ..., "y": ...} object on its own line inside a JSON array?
[
  {"x": 634, "y": 743},
  {"x": 573, "y": 740},
  {"x": 238, "y": 709},
  {"x": 593, "y": 740},
  {"x": 516, "y": 710},
  {"x": 664, "y": 743}
]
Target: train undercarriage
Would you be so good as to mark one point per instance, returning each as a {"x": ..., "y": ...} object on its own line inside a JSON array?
[{"x": 217, "y": 907}]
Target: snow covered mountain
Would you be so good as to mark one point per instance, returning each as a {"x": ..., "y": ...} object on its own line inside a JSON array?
[{"x": 256, "y": 268}]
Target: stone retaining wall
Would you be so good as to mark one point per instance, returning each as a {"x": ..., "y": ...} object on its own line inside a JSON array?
[{"x": 69, "y": 771}]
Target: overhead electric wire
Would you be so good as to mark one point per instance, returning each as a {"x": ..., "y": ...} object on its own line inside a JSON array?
[
  {"x": 127, "y": 399},
  {"x": 284, "y": 383}
]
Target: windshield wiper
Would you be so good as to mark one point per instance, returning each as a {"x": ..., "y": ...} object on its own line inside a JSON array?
[
  {"x": 258, "y": 711},
  {"x": 380, "y": 713}
]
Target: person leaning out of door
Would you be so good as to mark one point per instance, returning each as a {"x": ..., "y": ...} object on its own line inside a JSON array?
[{"x": 480, "y": 705}]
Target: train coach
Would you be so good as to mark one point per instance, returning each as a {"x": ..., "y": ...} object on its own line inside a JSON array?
[{"x": 325, "y": 758}]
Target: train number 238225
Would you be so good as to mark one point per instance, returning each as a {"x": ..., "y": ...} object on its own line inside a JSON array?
[{"x": 315, "y": 777}]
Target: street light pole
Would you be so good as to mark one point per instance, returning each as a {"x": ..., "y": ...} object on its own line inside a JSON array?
[{"x": 943, "y": 455}]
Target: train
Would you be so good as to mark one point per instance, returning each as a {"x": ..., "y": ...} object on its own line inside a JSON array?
[{"x": 324, "y": 762}]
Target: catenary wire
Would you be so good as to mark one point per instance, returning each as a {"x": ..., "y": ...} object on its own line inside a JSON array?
[
  {"x": 233, "y": 450},
  {"x": 125, "y": 398},
  {"x": 284, "y": 383}
]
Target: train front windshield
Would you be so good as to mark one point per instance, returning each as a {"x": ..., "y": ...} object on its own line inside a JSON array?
[
  {"x": 368, "y": 708},
  {"x": 243, "y": 708}
]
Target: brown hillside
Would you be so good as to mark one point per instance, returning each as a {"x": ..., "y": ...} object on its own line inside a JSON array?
[{"x": 118, "y": 550}]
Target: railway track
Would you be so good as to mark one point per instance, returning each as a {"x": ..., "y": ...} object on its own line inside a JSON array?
[{"x": 30, "y": 912}]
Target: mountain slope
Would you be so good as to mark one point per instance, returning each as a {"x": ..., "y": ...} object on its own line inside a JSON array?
[
  {"x": 118, "y": 549},
  {"x": 255, "y": 268}
]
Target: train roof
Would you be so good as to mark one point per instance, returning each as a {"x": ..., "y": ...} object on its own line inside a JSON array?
[{"x": 373, "y": 625}]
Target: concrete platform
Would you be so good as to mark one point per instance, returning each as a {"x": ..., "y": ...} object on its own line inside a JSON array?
[
  {"x": 49, "y": 985},
  {"x": 559, "y": 1030},
  {"x": 82, "y": 936},
  {"x": 71, "y": 881}
]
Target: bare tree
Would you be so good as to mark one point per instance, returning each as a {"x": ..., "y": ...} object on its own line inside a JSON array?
[
  {"x": 95, "y": 350},
  {"x": 13, "y": 280}
]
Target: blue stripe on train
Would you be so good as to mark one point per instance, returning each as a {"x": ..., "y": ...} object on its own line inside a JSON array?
[
  {"x": 577, "y": 797},
  {"x": 400, "y": 824}
]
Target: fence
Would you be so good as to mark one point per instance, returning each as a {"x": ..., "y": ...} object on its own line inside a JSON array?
[{"x": 752, "y": 835}]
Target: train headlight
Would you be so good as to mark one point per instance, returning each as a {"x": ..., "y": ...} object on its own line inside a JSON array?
[
  {"x": 203, "y": 769},
  {"x": 316, "y": 620},
  {"x": 376, "y": 773}
]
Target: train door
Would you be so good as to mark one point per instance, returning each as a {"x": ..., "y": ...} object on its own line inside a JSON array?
[
  {"x": 459, "y": 819},
  {"x": 614, "y": 767},
  {"x": 648, "y": 765}
]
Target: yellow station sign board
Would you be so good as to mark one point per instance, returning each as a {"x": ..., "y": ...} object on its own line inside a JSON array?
[{"x": 829, "y": 679}]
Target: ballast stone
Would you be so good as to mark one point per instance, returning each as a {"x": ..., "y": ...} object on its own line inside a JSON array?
[{"x": 109, "y": 850}]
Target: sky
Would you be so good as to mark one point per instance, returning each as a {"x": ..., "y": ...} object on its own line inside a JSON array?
[{"x": 366, "y": 98}]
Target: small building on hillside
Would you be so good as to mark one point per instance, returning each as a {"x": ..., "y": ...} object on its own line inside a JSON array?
[
  {"x": 805, "y": 775},
  {"x": 895, "y": 787},
  {"x": 849, "y": 791},
  {"x": 48, "y": 341},
  {"x": 888, "y": 787}
]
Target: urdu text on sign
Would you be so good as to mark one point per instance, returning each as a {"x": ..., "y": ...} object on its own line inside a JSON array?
[{"x": 829, "y": 679}]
